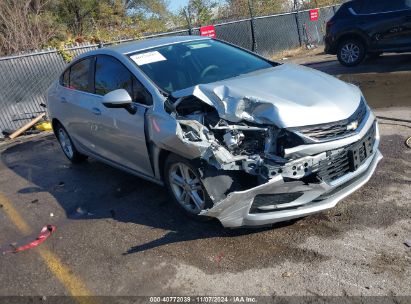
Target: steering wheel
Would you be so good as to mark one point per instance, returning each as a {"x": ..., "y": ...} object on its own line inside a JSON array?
[{"x": 208, "y": 70}]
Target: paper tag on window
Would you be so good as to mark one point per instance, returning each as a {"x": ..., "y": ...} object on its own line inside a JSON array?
[
  {"x": 146, "y": 58},
  {"x": 198, "y": 46}
]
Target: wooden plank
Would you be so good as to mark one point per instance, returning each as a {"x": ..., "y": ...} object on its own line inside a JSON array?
[{"x": 27, "y": 126}]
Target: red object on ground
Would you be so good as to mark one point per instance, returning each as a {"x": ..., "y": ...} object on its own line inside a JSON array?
[
  {"x": 45, "y": 232},
  {"x": 208, "y": 31},
  {"x": 219, "y": 257},
  {"x": 314, "y": 14}
]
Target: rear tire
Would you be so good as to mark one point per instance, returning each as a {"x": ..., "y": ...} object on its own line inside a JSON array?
[
  {"x": 67, "y": 145},
  {"x": 184, "y": 185},
  {"x": 351, "y": 52}
]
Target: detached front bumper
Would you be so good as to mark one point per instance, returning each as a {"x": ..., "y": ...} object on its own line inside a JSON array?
[{"x": 237, "y": 208}]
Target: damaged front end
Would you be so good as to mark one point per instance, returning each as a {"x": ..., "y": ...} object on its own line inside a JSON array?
[{"x": 257, "y": 173}]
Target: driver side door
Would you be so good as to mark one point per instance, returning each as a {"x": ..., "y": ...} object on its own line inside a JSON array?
[{"x": 119, "y": 135}]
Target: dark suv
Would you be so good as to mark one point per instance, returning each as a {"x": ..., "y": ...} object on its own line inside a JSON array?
[{"x": 369, "y": 27}]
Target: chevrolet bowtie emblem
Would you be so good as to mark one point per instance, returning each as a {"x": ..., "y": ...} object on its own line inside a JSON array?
[{"x": 352, "y": 126}]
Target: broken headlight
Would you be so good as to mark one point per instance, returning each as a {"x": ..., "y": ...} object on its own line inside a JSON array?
[
  {"x": 241, "y": 139},
  {"x": 286, "y": 140},
  {"x": 233, "y": 139}
]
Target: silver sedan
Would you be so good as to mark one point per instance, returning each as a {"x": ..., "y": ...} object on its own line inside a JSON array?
[{"x": 231, "y": 134}]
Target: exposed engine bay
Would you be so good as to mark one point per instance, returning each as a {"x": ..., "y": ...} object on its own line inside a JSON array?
[
  {"x": 264, "y": 159},
  {"x": 255, "y": 149}
]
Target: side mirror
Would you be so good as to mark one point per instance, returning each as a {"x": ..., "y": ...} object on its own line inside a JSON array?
[{"x": 117, "y": 99}]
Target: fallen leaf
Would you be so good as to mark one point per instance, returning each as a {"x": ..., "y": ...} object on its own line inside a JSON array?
[{"x": 286, "y": 274}]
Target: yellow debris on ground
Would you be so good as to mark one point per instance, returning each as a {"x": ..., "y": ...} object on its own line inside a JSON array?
[{"x": 43, "y": 126}]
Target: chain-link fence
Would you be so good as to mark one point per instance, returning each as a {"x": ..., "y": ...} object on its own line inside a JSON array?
[{"x": 24, "y": 79}]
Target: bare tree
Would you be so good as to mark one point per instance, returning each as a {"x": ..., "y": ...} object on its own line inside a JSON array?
[
  {"x": 243, "y": 8},
  {"x": 24, "y": 25}
]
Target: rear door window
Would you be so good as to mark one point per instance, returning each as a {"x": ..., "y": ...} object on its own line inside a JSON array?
[
  {"x": 384, "y": 6},
  {"x": 80, "y": 75},
  {"x": 346, "y": 8},
  {"x": 112, "y": 75},
  {"x": 357, "y": 6}
]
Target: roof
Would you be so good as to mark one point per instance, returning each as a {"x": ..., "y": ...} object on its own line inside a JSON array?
[{"x": 135, "y": 46}]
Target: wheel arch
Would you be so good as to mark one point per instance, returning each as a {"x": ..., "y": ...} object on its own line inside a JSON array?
[
  {"x": 160, "y": 158},
  {"x": 162, "y": 161},
  {"x": 54, "y": 123},
  {"x": 353, "y": 35}
]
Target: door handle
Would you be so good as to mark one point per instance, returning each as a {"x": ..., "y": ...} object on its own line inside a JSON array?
[
  {"x": 96, "y": 111},
  {"x": 63, "y": 100}
]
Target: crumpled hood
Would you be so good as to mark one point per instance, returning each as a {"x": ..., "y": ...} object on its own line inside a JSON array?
[{"x": 287, "y": 96}]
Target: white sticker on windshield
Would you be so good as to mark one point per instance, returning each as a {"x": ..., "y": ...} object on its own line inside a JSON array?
[
  {"x": 198, "y": 46},
  {"x": 146, "y": 58}
]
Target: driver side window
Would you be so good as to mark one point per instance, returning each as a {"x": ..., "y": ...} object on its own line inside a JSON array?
[{"x": 111, "y": 74}]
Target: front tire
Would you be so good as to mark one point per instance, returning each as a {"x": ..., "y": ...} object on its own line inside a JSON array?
[
  {"x": 351, "y": 52},
  {"x": 187, "y": 191},
  {"x": 67, "y": 145}
]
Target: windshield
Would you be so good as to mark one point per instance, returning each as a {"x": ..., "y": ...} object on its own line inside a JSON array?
[{"x": 183, "y": 65}]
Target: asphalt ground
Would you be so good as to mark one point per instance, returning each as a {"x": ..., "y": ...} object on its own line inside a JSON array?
[
  {"x": 118, "y": 235},
  {"x": 316, "y": 58}
]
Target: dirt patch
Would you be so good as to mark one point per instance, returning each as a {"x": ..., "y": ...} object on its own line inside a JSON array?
[
  {"x": 394, "y": 263},
  {"x": 383, "y": 90},
  {"x": 293, "y": 53},
  {"x": 303, "y": 56},
  {"x": 230, "y": 252}
]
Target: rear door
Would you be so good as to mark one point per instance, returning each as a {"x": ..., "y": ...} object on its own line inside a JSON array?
[
  {"x": 78, "y": 102},
  {"x": 406, "y": 26},
  {"x": 119, "y": 135},
  {"x": 385, "y": 21}
]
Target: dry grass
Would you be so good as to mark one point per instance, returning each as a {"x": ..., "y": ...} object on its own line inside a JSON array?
[
  {"x": 290, "y": 53},
  {"x": 300, "y": 55}
]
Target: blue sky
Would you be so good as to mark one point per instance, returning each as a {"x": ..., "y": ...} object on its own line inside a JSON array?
[{"x": 175, "y": 5}]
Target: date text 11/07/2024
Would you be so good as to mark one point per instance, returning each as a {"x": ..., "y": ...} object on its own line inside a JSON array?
[{"x": 203, "y": 299}]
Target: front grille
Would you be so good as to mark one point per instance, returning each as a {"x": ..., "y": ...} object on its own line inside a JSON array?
[
  {"x": 337, "y": 129},
  {"x": 335, "y": 166},
  {"x": 347, "y": 159}
]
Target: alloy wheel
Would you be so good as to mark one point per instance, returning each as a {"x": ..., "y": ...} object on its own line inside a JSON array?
[
  {"x": 65, "y": 143},
  {"x": 187, "y": 188},
  {"x": 350, "y": 53}
]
